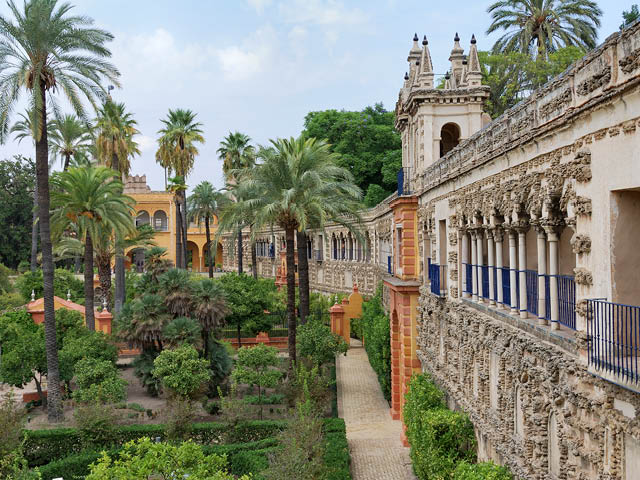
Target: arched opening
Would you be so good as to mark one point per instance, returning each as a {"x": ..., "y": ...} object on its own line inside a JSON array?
[
  {"x": 219, "y": 252},
  {"x": 136, "y": 258},
  {"x": 449, "y": 138},
  {"x": 160, "y": 222},
  {"x": 142, "y": 218},
  {"x": 193, "y": 257}
]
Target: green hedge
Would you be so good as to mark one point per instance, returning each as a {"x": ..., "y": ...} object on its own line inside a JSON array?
[
  {"x": 439, "y": 438},
  {"x": 376, "y": 333},
  {"x": 481, "y": 471},
  {"x": 72, "y": 467},
  {"x": 44, "y": 446}
]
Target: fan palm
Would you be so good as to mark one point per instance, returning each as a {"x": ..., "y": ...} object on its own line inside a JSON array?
[
  {"x": 177, "y": 152},
  {"x": 544, "y": 24},
  {"x": 114, "y": 147},
  {"x": 156, "y": 262},
  {"x": 298, "y": 186},
  {"x": 70, "y": 138},
  {"x": 204, "y": 204},
  {"x": 44, "y": 49},
  {"x": 175, "y": 287},
  {"x": 237, "y": 155},
  {"x": 90, "y": 200},
  {"x": 141, "y": 321},
  {"x": 209, "y": 308}
]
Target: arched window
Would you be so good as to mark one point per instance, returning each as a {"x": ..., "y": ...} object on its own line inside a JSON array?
[
  {"x": 142, "y": 218},
  {"x": 449, "y": 138},
  {"x": 160, "y": 222}
]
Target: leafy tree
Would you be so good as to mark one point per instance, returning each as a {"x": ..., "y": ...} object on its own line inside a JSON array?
[
  {"x": 143, "y": 458},
  {"x": 545, "y": 25},
  {"x": 98, "y": 381},
  {"x": 375, "y": 194},
  {"x": 182, "y": 371},
  {"x": 84, "y": 344},
  {"x": 115, "y": 146},
  {"x": 368, "y": 144},
  {"x": 209, "y": 307},
  {"x": 630, "y": 16},
  {"x": 70, "y": 138},
  {"x": 90, "y": 200},
  {"x": 45, "y": 49},
  {"x": 256, "y": 366},
  {"x": 63, "y": 282},
  {"x": 248, "y": 300},
  {"x": 220, "y": 365},
  {"x": 177, "y": 151},
  {"x": 317, "y": 341},
  {"x": 17, "y": 182},
  {"x": 237, "y": 155}
]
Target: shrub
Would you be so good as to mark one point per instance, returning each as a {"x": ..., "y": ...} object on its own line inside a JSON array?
[
  {"x": 96, "y": 424},
  {"x": 423, "y": 395},
  {"x": 317, "y": 341},
  {"x": 86, "y": 344},
  {"x": 481, "y": 471},
  {"x": 72, "y": 466},
  {"x": 63, "y": 281},
  {"x": 10, "y": 300},
  {"x": 220, "y": 364},
  {"x": 306, "y": 378},
  {"x": 180, "y": 415},
  {"x": 137, "y": 407},
  {"x": 5, "y": 283},
  {"x": 182, "y": 330},
  {"x": 143, "y": 369},
  {"x": 249, "y": 462},
  {"x": 98, "y": 380},
  {"x": 11, "y": 420},
  {"x": 273, "y": 399},
  {"x": 181, "y": 370},
  {"x": 377, "y": 340},
  {"x": 255, "y": 366}
]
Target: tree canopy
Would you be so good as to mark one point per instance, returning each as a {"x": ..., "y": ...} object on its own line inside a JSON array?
[{"x": 368, "y": 144}]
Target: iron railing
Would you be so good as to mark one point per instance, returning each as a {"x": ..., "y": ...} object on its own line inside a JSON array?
[
  {"x": 389, "y": 266},
  {"x": 531, "y": 286},
  {"x": 485, "y": 281},
  {"x": 438, "y": 279},
  {"x": 566, "y": 300},
  {"x": 468, "y": 287},
  {"x": 506, "y": 285},
  {"x": 613, "y": 330},
  {"x": 404, "y": 181}
]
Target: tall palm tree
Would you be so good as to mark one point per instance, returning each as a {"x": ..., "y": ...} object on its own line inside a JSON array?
[
  {"x": 209, "y": 308},
  {"x": 298, "y": 186},
  {"x": 70, "y": 139},
  {"x": 177, "y": 152},
  {"x": 544, "y": 24},
  {"x": 91, "y": 201},
  {"x": 237, "y": 155},
  {"x": 44, "y": 49},
  {"x": 204, "y": 203},
  {"x": 114, "y": 147}
]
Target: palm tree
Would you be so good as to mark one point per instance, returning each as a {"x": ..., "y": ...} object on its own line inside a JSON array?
[
  {"x": 70, "y": 138},
  {"x": 142, "y": 320},
  {"x": 177, "y": 152},
  {"x": 204, "y": 203},
  {"x": 209, "y": 308},
  {"x": 544, "y": 24},
  {"x": 175, "y": 287},
  {"x": 91, "y": 201},
  {"x": 45, "y": 49},
  {"x": 114, "y": 147},
  {"x": 298, "y": 186}
]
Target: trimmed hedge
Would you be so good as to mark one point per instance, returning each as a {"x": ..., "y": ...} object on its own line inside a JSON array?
[
  {"x": 44, "y": 446},
  {"x": 71, "y": 467},
  {"x": 481, "y": 471},
  {"x": 376, "y": 333}
]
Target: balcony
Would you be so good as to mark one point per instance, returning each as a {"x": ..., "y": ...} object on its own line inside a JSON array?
[
  {"x": 317, "y": 255},
  {"x": 613, "y": 330},
  {"x": 404, "y": 182},
  {"x": 438, "y": 279}
]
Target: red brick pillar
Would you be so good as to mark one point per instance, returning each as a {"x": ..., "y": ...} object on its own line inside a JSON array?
[
  {"x": 337, "y": 318},
  {"x": 103, "y": 321}
]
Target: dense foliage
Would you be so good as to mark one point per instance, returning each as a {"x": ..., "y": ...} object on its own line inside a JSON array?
[
  {"x": 181, "y": 371},
  {"x": 256, "y": 366},
  {"x": 376, "y": 334},
  {"x": 64, "y": 282},
  {"x": 368, "y": 144},
  {"x": 318, "y": 342},
  {"x": 481, "y": 471},
  {"x": 17, "y": 181},
  {"x": 98, "y": 381}
]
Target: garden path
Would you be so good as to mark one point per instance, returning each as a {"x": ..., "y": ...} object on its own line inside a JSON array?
[{"x": 374, "y": 437}]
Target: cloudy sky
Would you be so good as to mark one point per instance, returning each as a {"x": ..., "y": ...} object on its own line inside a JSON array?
[{"x": 259, "y": 66}]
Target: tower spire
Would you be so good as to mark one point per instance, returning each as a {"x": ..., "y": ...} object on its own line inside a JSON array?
[
  {"x": 474, "y": 73},
  {"x": 456, "y": 58},
  {"x": 426, "y": 66},
  {"x": 414, "y": 56}
]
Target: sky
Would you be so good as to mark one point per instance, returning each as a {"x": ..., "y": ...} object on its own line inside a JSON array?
[{"x": 259, "y": 66}]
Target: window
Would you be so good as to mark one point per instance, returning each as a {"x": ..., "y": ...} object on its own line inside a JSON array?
[
  {"x": 160, "y": 222},
  {"x": 449, "y": 138},
  {"x": 142, "y": 218}
]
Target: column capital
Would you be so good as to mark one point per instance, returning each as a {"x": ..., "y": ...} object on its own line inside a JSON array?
[{"x": 498, "y": 233}]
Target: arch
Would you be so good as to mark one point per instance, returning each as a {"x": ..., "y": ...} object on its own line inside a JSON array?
[
  {"x": 449, "y": 138},
  {"x": 219, "y": 256},
  {"x": 142, "y": 218},
  {"x": 136, "y": 259},
  {"x": 334, "y": 246},
  {"x": 193, "y": 256},
  {"x": 160, "y": 221}
]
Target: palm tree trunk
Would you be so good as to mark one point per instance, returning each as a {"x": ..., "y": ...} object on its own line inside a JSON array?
[
  {"x": 88, "y": 284},
  {"x": 303, "y": 276},
  {"x": 34, "y": 231},
  {"x": 54, "y": 410},
  {"x": 104, "y": 274},
  {"x": 119, "y": 260},
  {"x": 207, "y": 231},
  {"x": 178, "y": 235},
  {"x": 240, "y": 270},
  {"x": 67, "y": 159},
  {"x": 185, "y": 225},
  {"x": 291, "y": 293}
]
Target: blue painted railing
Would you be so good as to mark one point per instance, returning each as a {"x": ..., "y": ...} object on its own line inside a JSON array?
[
  {"x": 506, "y": 286},
  {"x": 485, "y": 281},
  {"x": 404, "y": 181},
  {"x": 468, "y": 287},
  {"x": 389, "y": 269},
  {"x": 531, "y": 277},
  {"x": 566, "y": 301},
  {"x": 437, "y": 278},
  {"x": 613, "y": 330}
]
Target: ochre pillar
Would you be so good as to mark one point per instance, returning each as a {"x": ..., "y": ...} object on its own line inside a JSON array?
[{"x": 403, "y": 302}]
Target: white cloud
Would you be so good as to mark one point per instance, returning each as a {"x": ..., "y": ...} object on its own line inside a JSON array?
[
  {"x": 259, "y": 5},
  {"x": 255, "y": 55},
  {"x": 146, "y": 143},
  {"x": 321, "y": 12}
]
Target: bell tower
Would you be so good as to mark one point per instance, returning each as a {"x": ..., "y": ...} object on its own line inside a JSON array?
[{"x": 432, "y": 117}]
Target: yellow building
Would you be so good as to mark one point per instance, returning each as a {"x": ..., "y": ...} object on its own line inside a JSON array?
[{"x": 158, "y": 209}]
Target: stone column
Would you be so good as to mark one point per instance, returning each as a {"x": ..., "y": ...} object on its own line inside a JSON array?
[
  {"x": 480, "y": 264},
  {"x": 513, "y": 271},
  {"x": 474, "y": 262},
  {"x": 552, "y": 237},
  {"x": 542, "y": 271},
  {"x": 465, "y": 261},
  {"x": 491, "y": 264},
  {"x": 497, "y": 236},
  {"x": 522, "y": 266}
]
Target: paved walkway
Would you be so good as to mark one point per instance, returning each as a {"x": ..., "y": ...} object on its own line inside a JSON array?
[{"x": 374, "y": 438}]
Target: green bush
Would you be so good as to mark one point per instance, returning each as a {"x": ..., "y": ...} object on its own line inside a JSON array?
[
  {"x": 377, "y": 340},
  {"x": 10, "y": 300},
  {"x": 182, "y": 371},
  {"x": 72, "y": 466},
  {"x": 481, "y": 471},
  {"x": 143, "y": 369},
  {"x": 439, "y": 438},
  {"x": 5, "y": 283},
  {"x": 63, "y": 281},
  {"x": 99, "y": 381},
  {"x": 248, "y": 462},
  {"x": 317, "y": 341}
]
